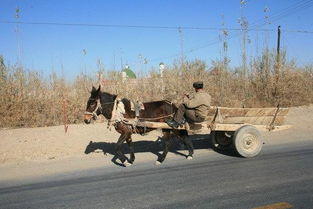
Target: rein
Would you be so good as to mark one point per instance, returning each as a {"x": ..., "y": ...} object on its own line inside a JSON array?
[
  {"x": 116, "y": 114},
  {"x": 165, "y": 116}
]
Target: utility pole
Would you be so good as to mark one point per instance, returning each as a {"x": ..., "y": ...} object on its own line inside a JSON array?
[
  {"x": 277, "y": 90},
  {"x": 278, "y": 42},
  {"x": 121, "y": 52},
  {"x": 114, "y": 64},
  {"x": 18, "y": 39},
  {"x": 182, "y": 47},
  {"x": 278, "y": 49}
]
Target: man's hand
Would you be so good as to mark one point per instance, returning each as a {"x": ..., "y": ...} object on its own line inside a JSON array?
[{"x": 186, "y": 98}]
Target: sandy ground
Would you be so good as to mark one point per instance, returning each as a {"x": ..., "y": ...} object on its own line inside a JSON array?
[{"x": 31, "y": 152}]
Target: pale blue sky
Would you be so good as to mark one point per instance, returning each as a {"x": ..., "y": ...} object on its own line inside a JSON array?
[{"x": 46, "y": 47}]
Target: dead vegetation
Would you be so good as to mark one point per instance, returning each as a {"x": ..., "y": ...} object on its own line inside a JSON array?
[{"x": 28, "y": 99}]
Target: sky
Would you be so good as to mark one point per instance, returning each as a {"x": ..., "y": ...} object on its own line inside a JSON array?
[{"x": 74, "y": 36}]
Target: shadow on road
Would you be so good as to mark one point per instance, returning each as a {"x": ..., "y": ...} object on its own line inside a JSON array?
[{"x": 154, "y": 147}]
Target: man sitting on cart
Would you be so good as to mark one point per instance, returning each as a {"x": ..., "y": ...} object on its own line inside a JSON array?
[{"x": 193, "y": 109}]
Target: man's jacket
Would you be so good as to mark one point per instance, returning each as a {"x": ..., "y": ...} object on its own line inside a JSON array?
[{"x": 200, "y": 102}]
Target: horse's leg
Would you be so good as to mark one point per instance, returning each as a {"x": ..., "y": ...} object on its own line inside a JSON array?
[
  {"x": 187, "y": 141},
  {"x": 119, "y": 144},
  {"x": 166, "y": 137},
  {"x": 132, "y": 150},
  {"x": 183, "y": 135}
]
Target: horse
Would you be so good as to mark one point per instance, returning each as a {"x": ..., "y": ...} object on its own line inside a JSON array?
[{"x": 103, "y": 103}]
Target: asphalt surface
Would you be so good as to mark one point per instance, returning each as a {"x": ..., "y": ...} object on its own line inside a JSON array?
[{"x": 281, "y": 174}]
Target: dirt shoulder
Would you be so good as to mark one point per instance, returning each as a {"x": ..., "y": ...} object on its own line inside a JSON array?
[
  {"x": 301, "y": 120},
  {"x": 30, "y": 152}
]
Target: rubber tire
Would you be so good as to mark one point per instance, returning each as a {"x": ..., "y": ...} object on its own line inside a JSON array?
[
  {"x": 248, "y": 141},
  {"x": 216, "y": 136}
]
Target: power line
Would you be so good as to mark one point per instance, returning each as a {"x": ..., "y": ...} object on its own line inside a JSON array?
[
  {"x": 150, "y": 27},
  {"x": 276, "y": 16},
  {"x": 298, "y": 31},
  {"x": 284, "y": 12},
  {"x": 128, "y": 26},
  {"x": 303, "y": 4},
  {"x": 279, "y": 15}
]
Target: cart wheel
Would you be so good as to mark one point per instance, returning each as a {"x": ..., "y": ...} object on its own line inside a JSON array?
[
  {"x": 248, "y": 141},
  {"x": 221, "y": 140}
]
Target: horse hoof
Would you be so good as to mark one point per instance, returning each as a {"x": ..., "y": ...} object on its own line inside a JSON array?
[
  {"x": 158, "y": 162},
  {"x": 189, "y": 157},
  {"x": 127, "y": 164}
]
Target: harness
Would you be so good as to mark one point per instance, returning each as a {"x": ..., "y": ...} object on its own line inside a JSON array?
[{"x": 118, "y": 112}]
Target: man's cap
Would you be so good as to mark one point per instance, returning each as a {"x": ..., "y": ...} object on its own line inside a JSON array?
[{"x": 198, "y": 85}]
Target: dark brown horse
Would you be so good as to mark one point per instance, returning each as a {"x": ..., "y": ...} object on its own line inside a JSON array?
[{"x": 103, "y": 103}]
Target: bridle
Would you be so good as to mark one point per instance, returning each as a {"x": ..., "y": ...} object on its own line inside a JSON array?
[
  {"x": 94, "y": 114},
  {"x": 98, "y": 109}
]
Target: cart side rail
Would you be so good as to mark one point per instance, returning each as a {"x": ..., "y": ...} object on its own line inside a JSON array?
[
  {"x": 255, "y": 116},
  {"x": 231, "y": 119}
]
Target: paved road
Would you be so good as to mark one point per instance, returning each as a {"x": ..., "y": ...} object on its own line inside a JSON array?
[{"x": 282, "y": 174}]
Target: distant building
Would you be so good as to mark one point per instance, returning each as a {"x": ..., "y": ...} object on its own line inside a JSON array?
[
  {"x": 161, "y": 68},
  {"x": 128, "y": 73}
]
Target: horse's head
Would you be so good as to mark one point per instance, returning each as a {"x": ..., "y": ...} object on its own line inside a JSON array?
[{"x": 92, "y": 105}]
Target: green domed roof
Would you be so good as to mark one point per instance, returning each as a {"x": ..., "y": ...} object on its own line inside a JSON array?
[{"x": 129, "y": 73}]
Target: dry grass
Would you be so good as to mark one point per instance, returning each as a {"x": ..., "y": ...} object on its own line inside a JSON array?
[{"x": 30, "y": 100}]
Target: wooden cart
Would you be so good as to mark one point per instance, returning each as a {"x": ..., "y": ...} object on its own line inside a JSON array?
[{"x": 235, "y": 129}]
